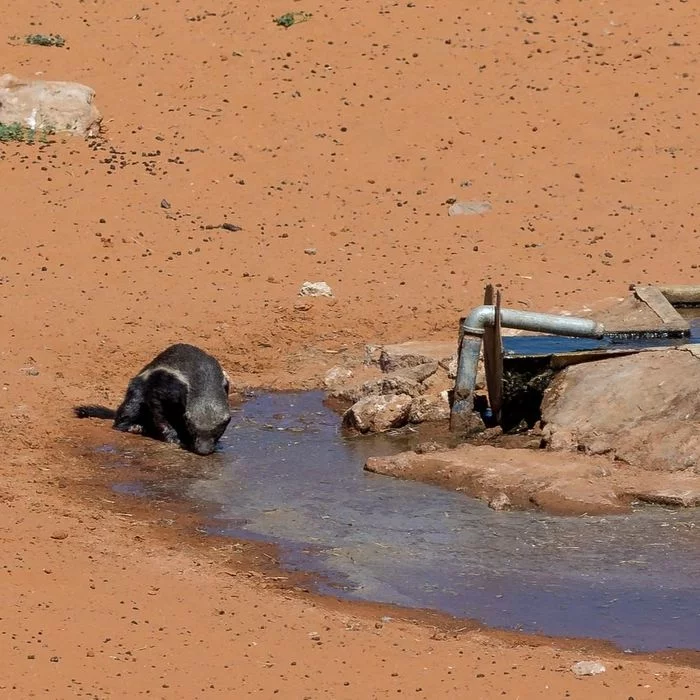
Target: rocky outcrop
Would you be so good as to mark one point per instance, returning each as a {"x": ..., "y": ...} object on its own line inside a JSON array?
[
  {"x": 416, "y": 352},
  {"x": 49, "y": 105},
  {"x": 559, "y": 483},
  {"x": 406, "y": 381},
  {"x": 376, "y": 414},
  {"x": 420, "y": 370},
  {"x": 642, "y": 409}
]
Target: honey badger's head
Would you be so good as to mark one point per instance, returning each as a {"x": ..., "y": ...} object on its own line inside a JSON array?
[{"x": 206, "y": 419}]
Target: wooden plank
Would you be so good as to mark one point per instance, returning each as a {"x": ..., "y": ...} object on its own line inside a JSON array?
[
  {"x": 681, "y": 293},
  {"x": 493, "y": 355},
  {"x": 661, "y": 306},
  {"x": 497, "y": 396}
]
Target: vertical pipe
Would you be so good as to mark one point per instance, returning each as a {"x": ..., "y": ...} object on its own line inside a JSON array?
[{"x": 467, "y": 363}]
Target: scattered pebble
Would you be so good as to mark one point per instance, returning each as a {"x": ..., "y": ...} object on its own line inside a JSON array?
[{"x": 165, "y": 204}]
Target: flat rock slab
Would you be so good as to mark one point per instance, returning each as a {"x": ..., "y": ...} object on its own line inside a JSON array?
[
  {"x": 629, "y": 314},
  {"x": 641, "y": 409},
  {"x": 563, "y": 484}
]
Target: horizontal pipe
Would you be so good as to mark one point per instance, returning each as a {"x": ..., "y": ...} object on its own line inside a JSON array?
[{"x": 483, "y": 316}]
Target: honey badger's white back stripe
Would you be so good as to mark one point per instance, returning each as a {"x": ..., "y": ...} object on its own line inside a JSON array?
[{"x": 164, "y": 368}]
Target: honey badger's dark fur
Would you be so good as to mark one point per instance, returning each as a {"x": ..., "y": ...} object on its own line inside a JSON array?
[{"x": 181, "y": 397}]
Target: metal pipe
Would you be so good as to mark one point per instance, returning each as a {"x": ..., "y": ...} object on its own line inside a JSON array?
[
  {"x": 471, "y": 332},
  {"x": 483, "y": 316}
]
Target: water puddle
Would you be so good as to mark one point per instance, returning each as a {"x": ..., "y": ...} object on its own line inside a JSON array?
[{"x": 287, "y": 475}]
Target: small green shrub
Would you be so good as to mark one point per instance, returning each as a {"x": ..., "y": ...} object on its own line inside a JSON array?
[
  {"x": 45, "y": 40},
  {"x": 290, "y": 18},
  {"x": 23, "y": 134}
]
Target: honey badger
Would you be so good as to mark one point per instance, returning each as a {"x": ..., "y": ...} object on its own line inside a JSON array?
[{"x": 181, "y": 397}]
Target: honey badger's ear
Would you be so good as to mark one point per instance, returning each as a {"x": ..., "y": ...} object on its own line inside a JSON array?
[{"x": 227, "y": 381}]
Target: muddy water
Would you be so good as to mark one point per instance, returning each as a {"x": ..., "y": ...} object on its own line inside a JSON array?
[{"x": 287, "y": 475}]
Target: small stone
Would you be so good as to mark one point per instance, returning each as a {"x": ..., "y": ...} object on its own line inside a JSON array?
[
  {"x": 588, "y": 668},
  {"x": 337, "y": 375},
  {"x": 315, "y": 289},
  {"x": 164, "y": 204},
  {"x": 500, "y": 502},
  {"x": 372, "y": 354},
  {"x": 231, "y": 227},
  {"x": 310, "y": 251},
  {"x": 59, "y": 535}
]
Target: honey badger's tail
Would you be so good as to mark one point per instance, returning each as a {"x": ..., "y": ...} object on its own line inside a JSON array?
[{"x": 91, "y": 411}]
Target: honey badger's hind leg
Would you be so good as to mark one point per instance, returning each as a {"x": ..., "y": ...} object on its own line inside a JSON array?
[
  {"x": 129, "y": 416},
  {"x": 164, "y": 403}
]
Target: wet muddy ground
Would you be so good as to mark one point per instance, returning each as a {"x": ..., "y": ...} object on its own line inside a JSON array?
[{"x": 286, "y": 474}]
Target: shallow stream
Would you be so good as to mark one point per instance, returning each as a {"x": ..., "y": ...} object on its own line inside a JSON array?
[{"x": 287, "y": 475}]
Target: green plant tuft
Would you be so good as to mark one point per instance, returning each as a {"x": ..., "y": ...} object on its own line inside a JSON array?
[
  {"x": 23, "y": 134},
  {"x": 45, "y": 40},
  {"x": 288, "y": 19}
]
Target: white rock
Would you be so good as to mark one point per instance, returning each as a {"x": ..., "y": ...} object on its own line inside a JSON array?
[
  {"x": 588, "y": 668},
  {"x": 474, "y": 207},
  {"x": 315, "y": 289},
  {"x": 337, "y": 375}
]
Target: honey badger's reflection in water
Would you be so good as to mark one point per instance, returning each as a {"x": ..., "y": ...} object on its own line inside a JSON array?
[{"x": 181, "y": 397}]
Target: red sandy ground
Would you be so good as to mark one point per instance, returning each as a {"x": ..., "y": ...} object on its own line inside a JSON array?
[{"x": 346, "y": 134}]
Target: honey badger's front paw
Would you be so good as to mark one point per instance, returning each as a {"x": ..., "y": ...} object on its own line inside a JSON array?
[{"x": 169, "y": 434}]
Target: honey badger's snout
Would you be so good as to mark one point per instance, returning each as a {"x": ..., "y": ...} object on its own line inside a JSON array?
[
  {"x": 181, "y": 397},
  {"x": 207, "y": 428}
]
